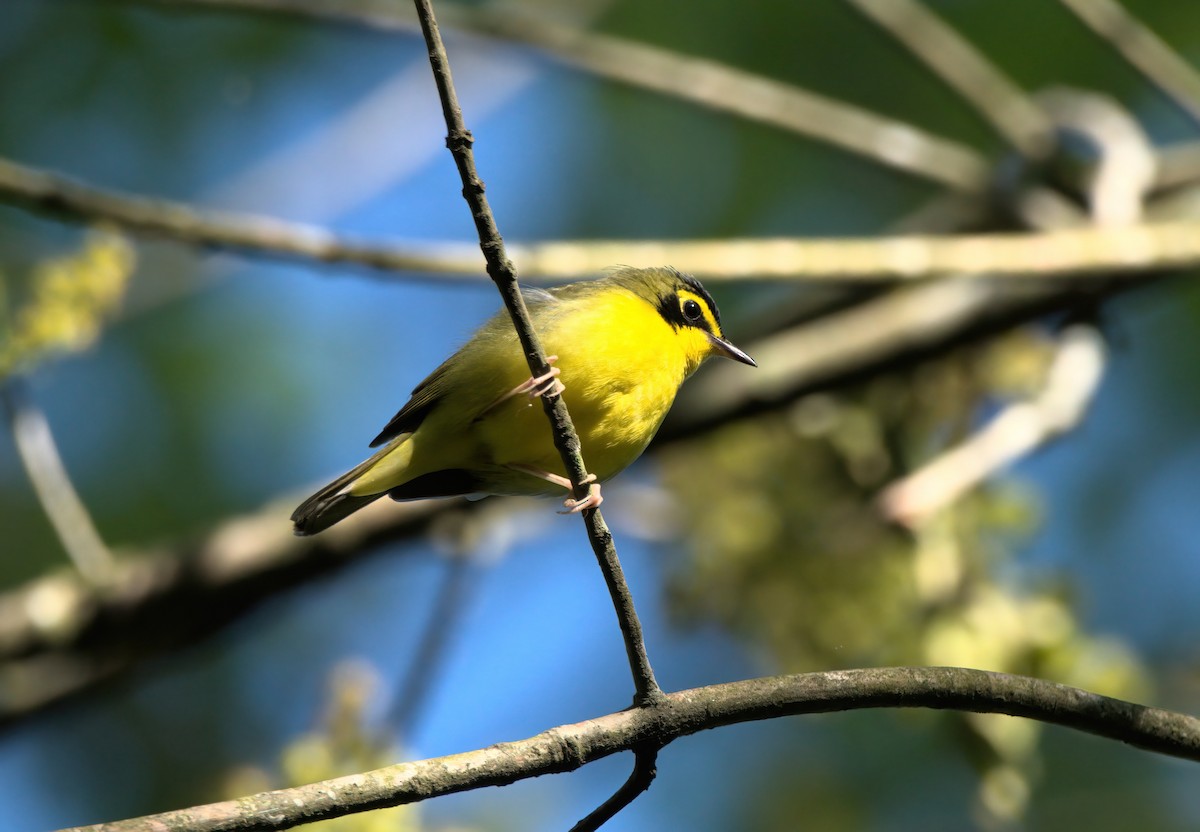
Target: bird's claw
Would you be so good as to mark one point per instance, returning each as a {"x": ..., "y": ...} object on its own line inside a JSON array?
[
  {"x": 547, "y": 384},
  {"x": 592, "y": 500}
]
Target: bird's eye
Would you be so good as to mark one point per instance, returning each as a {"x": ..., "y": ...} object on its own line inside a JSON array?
[{"x": 691, "y": 311}]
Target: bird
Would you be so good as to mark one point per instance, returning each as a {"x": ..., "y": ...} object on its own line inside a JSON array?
[{"x": 619, "y": 348}]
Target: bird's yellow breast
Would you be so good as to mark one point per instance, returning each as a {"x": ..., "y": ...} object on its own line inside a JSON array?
[{"x": 621, "y": 364}]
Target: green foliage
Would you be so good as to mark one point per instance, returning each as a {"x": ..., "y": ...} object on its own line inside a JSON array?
[
  {"x": 69, "y": 299},
  {"x": 343, "y": 744},
  {"x": 787, "y": 548}
]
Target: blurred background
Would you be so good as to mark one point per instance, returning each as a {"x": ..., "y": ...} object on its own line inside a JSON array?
[{"x": 196, "y": 394}]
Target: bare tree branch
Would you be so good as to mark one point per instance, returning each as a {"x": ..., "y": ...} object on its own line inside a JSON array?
[
  {"x": 568, "y": 747},
  {"x": 707, "y": 83},
  {"x": 1145, "y": 50},
  {"x": 58, "y": 194},
  {"x": 643, "y": 774},
  {"x": 1071, "y": 383},
  {"x": 59, "y": 499},
  {"x": 962, "y": 67},
  {"x": 896, "y": 329},
  {"x": 1072, "y": 252},
  {"x": 1116, "y": 187},
  {"x": 60, "y": 635}
]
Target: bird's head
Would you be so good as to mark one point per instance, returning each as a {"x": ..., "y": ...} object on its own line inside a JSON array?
[{"x": 688, "y": 308}]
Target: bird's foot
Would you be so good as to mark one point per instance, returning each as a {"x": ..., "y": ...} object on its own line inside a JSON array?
[
  {"x": 547, "y": 384},
  {"x": 572, "y": 506},
  {"x": 592, "y": 500}
]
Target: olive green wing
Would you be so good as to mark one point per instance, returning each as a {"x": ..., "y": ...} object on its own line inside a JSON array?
[
  {"x": 425, "y": 397},
  {"x": 429, "y": 393}
]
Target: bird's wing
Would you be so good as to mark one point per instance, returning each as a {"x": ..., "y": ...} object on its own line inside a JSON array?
[
  {"x": 424, "y": 397},
  {"x": 427, "y": 394}
]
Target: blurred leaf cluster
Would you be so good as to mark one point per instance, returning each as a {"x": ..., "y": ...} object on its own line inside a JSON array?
[
  {"x": 786, "y": 548},
  {"x": 68, "y": 300},
  {"x": 345, "y": 743}
]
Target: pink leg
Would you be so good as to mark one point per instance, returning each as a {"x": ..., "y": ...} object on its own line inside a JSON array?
[
  {"x": 546, "y": 384},
  {"x": 573, "y": 506},
  {"x": 592, "y": 500}
]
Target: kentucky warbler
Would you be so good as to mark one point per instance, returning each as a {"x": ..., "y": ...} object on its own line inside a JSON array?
[{"x": 622, "y": 345}]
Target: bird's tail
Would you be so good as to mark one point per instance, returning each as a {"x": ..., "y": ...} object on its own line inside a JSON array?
[{"x": 334, "y": 502}]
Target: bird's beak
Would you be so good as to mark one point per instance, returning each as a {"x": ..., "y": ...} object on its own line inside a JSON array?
[{"x": 728, "y": 350}]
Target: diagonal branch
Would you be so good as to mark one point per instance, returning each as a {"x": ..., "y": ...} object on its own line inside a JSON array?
[
  {"x": 61, "y": 636},
  {"x": 57, "y": 194},
  {"x": 962, "y": 67},
  {"x": 568, "y": 747},
  {"x": 1071, "y": 383},
  {"x": 459, "y": 141},
  {"x": 1145, "y": 50},
  {"x": 643, "y": 774},
  {"x": 710, "y": 84}
]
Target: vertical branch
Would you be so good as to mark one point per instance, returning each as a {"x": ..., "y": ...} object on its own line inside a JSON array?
[
  {"x": 444, "y": 619},
  {"x": 500, "y": 269}
]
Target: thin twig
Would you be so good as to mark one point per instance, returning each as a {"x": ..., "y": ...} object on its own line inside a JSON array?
[
  {"x": 459, "y": 141},
  {"x": 427, "y": 660},
  {"x": 962, "y": 67},
  {"x": 1066, "y": 253},
  {"x": 65, "y": 510},
  {"x": 710, "y": 84},
  {"x": 643, "y": 774},
  {"x": 1071, "y": 383},
  {"x": 1145, "y": 50},
  {"x": 568, "y": 747}
]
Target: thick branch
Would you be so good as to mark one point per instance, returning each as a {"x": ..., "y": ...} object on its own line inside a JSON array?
[
  {"x": 682, "y": 714},
  {"x": 894, "y": 330},
  {"x": 60, "y": 636}
]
